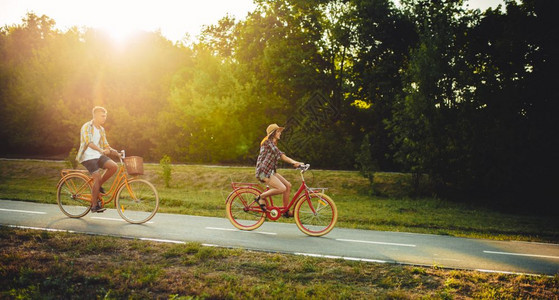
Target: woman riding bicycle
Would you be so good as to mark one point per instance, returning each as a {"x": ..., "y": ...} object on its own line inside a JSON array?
[{"x": 266, "y": 168}]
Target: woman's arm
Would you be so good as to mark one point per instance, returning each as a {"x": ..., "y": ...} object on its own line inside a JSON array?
[{"x": 290, "y": 160}]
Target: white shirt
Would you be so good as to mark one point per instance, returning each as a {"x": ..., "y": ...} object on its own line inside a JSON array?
[{"x": 92, "y": 153}]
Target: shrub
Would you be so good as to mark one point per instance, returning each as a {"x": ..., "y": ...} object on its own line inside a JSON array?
[
  {"x": 70, "y": 160},
  {"x": 165, "y": 163}
]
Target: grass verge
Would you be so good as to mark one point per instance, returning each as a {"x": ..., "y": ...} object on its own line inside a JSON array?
[
  {"x": 201, "y": 190},
  {"x": 47, "y": 265}
]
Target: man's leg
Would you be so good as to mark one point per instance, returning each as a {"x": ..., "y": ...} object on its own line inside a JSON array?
[
  {"x": 111, "y": 167},
  {"x": 96, "y": 184}
]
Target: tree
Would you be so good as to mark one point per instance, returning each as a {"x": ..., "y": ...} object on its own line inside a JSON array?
[
  {"x": 429, "y": 134},
  {"x": 385, "y": 37}
]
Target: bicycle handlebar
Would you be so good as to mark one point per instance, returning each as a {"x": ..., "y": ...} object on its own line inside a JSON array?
[
  {"x": 304, "y": 167},
  {"x": 121, "y": 155}
]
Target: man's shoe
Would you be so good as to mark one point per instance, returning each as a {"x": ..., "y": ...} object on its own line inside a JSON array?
[{"x": 97, "y": 209}]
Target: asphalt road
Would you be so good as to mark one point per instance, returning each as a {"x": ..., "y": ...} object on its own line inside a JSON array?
[{"x": 351, "y": 244}]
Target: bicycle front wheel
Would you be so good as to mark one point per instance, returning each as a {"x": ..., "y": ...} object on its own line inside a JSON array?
[
  {"x": 316, "y": 215},
  {"x": 137, "y": 201},
  {"x": 73, "y": 195},
  {"x": 243, "y": 212}
]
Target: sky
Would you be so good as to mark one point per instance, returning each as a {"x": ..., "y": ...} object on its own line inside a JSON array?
[{"x": 174, "y": 18}]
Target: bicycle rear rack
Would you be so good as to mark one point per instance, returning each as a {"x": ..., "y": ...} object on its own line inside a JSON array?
[
  {"x": 317, "y": 189},
  {"x": 236, "y": 185},
  {"x": 65, "y": 172}
]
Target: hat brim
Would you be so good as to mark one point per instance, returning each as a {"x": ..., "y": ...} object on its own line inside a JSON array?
[{"x": 275, "y": 129}]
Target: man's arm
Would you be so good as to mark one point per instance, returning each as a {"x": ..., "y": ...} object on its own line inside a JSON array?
[
  {"x": 102, "y": 151},
  {"x": 106, "y": 145}
]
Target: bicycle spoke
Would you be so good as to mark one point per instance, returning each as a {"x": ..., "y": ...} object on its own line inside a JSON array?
[
  {"x": 137, "y": 201},
  {"x": 316, "y": 215},
  {"x": 243, "y": 212},
  {"x": 73, "y": 196}
]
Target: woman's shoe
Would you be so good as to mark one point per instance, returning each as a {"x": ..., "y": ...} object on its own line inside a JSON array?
[
  {"x": 288, "y": 214},
  {"x": 262, "y": 205}
]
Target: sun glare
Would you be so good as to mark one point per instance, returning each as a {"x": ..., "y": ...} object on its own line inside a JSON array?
[
  {"x": 120, "y": 34},
  {"x": 122, "y": 19}
]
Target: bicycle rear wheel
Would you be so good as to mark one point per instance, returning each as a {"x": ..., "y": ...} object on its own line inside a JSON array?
[
  {"x": 243, "y": 212},
  {"x": 316, "y": 215},
  {"x": 137, "y": 202},
  {"x": 73, "y": 195}
]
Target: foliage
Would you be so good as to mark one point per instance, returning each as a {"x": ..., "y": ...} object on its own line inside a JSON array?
[
  {"x": 71, "y": 161},
  {"x": 59, "y": 265},
  {"x": 201, "y": 190},
  {"x": 468, "y": 116},
  {"x": 166, "y": 170},
  {"x": 429, "y": 87},
  {"x": 367, "y": 167}
]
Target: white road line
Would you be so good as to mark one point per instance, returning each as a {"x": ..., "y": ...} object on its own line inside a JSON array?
[
  {"x": 341, "y": 257},
  {"x": 41, "y": 228},
  {"x": 509, "y": 273},
  {"x": 522, "y": 254},
  {"x": 223, "y": 229},
  {"x": 231, "y": 229},
  {"x": 377, "y": 243},
  {"x": 24, "y": 211},
  {"x": 162, "y": 241},
  {"x": 115, "y": 219}
]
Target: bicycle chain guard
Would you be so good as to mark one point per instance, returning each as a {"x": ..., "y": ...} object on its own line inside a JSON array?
[{"x": 273, "y": 213}]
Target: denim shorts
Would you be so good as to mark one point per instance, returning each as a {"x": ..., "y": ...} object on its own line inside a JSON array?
[
  {"x": 93, "y": 165},
  {"x": 263, "y": 176}
]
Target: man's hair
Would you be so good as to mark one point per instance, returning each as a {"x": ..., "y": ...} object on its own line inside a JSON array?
[{"x": 98, "y": 108}]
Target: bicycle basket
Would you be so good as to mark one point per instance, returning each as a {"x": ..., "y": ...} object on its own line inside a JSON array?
[{"x": 134, "y": 165}]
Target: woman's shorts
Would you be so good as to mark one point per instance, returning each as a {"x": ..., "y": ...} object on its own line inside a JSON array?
[
  {"x": 263, "y": 176},
  {"x": 93, "y": 165}
]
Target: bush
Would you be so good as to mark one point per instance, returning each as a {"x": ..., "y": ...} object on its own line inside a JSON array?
[
  {"x": 70, "y": 160},
  {"x": 366, "y": 164},
  {"x": 165, "y": 163}
]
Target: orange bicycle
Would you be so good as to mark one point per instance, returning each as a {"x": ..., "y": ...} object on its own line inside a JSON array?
[
  {"x": 315, "y": 213},
  {"x": 136, "y": 200}
]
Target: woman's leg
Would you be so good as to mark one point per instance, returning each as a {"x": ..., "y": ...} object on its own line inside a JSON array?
[
  {"x": 276, "y": 187},
  {"x": 287, "y": 191}
]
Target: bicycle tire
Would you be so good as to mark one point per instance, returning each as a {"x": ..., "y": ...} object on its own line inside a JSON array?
[
  {"x": 137, "y": 201},
  {"x": 316, "y": 215},
  {"x": 73, "y": 195},
  {"x": 242, "y": 211}
]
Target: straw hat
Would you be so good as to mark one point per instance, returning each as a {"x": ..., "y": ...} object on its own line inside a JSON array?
[{"x": 272, "y": 127}]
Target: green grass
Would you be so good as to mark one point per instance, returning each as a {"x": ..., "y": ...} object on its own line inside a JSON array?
[
  {"x": 201, "y": 190},
  {"x": 46, "y": 265}
]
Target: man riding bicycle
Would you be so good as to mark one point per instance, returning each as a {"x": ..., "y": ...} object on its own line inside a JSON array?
[{"x": 93, "y": 152}]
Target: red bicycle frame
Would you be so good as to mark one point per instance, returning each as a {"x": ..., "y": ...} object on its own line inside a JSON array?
[{"x": 272, "y": 212}]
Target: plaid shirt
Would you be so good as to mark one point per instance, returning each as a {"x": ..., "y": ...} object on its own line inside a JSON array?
[
  {"x": 86, "y": 135},
  {"x": 267, "y": 160}
]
